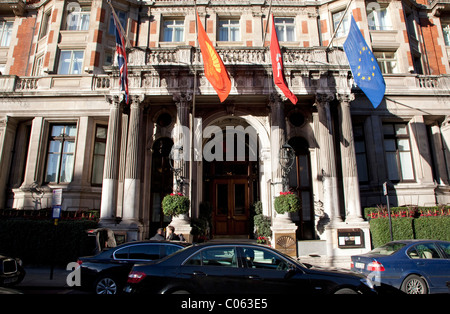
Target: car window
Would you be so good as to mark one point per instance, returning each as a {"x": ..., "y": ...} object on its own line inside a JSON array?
[
  {"x": 445, "y": 247},
  {"x": 145, "y": 251},
  {"x": 423, "y": 251},
  {"x": 220, "y": 256},
  {"x": 388, "y": 249},
  {"x": 260, "y": 258},
  {"x": 121, "y": 253},
  {"x": 170, "y": 249}
]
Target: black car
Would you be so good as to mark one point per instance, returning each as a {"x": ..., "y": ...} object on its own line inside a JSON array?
[
  {"x": 106, "y": 272},
  {"x": 239, "y": 268},
  {"x": 11, "y": 271}
]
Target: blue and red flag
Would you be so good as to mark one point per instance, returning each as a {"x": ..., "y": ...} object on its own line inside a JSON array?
[{"x": 121, "y": 58}]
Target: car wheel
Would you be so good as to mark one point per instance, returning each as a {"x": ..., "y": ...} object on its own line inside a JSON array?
[
  {"x": 106, "y": 285},
  {"x": 345, "y": 291},
  {"x": 414, "y": 285}
]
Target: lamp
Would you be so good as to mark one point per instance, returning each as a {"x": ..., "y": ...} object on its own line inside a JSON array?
[
  {"x": 286, "y": 159},
  {"x": 176, "y": 157}
]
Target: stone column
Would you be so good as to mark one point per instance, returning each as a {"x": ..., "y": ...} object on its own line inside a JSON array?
[
  {"x": 348, "y": 160},
  {"x": 327, "y": 158},
  {"x": 131, "y": 195},
  {"x": 182, "y": 138},
  {"x": 111, "y": 167},
  {"x": 283, "y": 229}
]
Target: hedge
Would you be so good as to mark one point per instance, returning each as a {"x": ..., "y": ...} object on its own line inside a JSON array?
[
  {"x": 41, "y": 242},
  {"x": 410, "y": 228}
]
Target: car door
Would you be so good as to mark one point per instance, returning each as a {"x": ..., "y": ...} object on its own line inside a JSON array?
[
  {"x": 214, "y": 270},
  {"x": 433, "y": 264},
  {"x": 267, "y": 272}
]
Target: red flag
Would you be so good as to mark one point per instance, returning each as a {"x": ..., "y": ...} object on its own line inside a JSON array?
[
  {"x": 277, "y": 65},
  {"x": 215, "y": 70}
]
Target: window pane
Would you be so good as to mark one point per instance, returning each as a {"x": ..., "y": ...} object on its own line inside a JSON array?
[
  {"x": 389, "y": 145},
  {"x": 401, "y": 129},
  {"x": 101, "y": 132},
  {"x": 259, "y": 258},
  {"x": 225, "y": 257},
  {"x": 54, "y": 147},
  {"x": 144, "y": 252},
  {"x": 388, "y": 129},
  {"x": 64, "y": 62},
  {"x": 6, "y": 29},
  {"x": 69, "y": 147},
  {"x": 362, "y": 167},
  {"x": 403, "y": 144},
  {"x": 67, "y": 168},
  {"x": 77, "y": 62},
  {"x": 52, "y": 167},
  {"x": 406, "y": 164},
  {"x": 85, "y": 22},
  {"x": 97, "y": 171},
  {"x": 71, "y": 130},
  {"x": 99, "y": 148},
  {"x": 391, "y": 160}
]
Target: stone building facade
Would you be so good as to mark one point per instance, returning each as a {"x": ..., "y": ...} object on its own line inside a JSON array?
[{"x": 63, "y": 124}]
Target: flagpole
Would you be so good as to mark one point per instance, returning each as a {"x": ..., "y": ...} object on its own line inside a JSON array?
[
  {"x": 192, "y": 152},
  {"x": 339, "y": 25},
  {"x": 267, "y": 23}
]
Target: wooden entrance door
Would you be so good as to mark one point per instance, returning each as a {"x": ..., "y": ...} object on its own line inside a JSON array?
[{"x": 231, "y": 206}]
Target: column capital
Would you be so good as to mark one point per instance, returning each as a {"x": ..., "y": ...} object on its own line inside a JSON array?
[
  {"x": 323, "y": 98},
  {"x": 136, "y": 100},
  {"x": 275, "y": 98},
  {"x": 183, "y": 99},
  {"x": 345, "y": 98}
]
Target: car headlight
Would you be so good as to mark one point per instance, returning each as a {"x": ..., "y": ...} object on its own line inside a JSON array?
[{"x": 18, "y": 261}]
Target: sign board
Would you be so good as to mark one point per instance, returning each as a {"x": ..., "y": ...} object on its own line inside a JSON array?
[
  {"x": 286, "y": 243},
  {"x": 350, "y": 238},
  {"x": 385, "y": 189},
  {"x": 57, "y": 197},
  {"x": 56, "y": 213}
]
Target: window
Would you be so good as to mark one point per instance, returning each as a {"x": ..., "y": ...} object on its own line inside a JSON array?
[
  {"x": 360, "y": 151},
  {"x": 78, "y": 19},
  {"x": 38, "y": 66},
  {"x": 345, "y": 25},
  {"x": 45, "y": 24},
  {"x": 387, "y": 61},
  {"x": 398, "y": 152},
  {"x": 229, "y": 30},
  {"x": 173, "y": 30},
  {"x": 122, "y": 19},
  {"x": 446, "y": 31},
  {"x": 144, "y": 252},
  {"x": 445, "y": 247},
  {"x": 379, "y": 20},
  {"x": 221, "y": 256},
  {"x": 5, "y": 33},
  {"x": 70, "y": 62},
  {"x": 262, "y": 259},
  {"x": 61, "y": 153},
  {"x": 285, "y": 29},
  {"x": 425, "y": 251},
  {"x": 99, "y": 155}
]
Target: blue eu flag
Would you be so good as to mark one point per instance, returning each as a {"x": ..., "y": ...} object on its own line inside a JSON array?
[{"x": 364, "y": 66}]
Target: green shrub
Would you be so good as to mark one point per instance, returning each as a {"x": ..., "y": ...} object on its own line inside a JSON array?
[
  {"x": 175, "y": 204},
  {"x": 287, "y": 202},
  {"x": 41, "y": 242}
]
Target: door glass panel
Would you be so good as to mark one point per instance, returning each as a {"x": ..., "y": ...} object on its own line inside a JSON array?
[
  {"x": 239, "y": 199},
  {"x": 222, "y": 199}
]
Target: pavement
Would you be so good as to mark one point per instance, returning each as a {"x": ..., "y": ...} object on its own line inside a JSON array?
[{"x": 45, "y": 277}]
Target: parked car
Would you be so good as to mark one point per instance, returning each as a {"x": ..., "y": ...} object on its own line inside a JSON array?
[
  {"x": 414, "y": 266},
  {"x": 11, "y": 271},
  {"x": 106, "y": 272},
  {"x": 239, "y": 268}
]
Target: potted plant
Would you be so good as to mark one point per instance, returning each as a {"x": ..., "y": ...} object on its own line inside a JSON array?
[
  {"x": 175, "y": 204},
  {"x": 287, "y": 202}
]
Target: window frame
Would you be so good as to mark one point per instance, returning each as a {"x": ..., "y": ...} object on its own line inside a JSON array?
[
  {"x": 379, "y": 23},
  {"x": 62, "y": 138},
  {"x": 45, "y": 23},
  {"x": 387, "y": 65},
  {"x": 229, "y": 26},
  {"x": 123, "y": 19},
  {"x": 396, "y": 138},
  {"x": 345, "y": 25},
  {"x": 72, "y": 61},
  {"x": 83, "y": 11},
  {"x": 361, "y": 139},
  {"x": 94, "y": 154},
  {"x": 280, "y": 22},
  {"x": 174, "y": 27},
  {"x": 6, "y": 28}
]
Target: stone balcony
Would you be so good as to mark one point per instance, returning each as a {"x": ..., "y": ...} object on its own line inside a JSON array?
[{"x": 164, "y": 71}]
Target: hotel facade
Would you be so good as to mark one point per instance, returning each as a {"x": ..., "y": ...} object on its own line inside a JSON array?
[{"x": 64, "y": 125}]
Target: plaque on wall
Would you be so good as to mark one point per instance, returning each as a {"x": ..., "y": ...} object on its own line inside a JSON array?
[
  {"x": 286, "y": 243},
  {"x": 350, "y": 238}
]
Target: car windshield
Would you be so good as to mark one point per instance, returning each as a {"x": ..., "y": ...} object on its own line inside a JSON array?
[{"x": 388, "y": 249}]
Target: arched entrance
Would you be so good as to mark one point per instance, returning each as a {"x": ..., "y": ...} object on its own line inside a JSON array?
[
  {"x": 231, "y": 178},
  {"x": 300, "y": 182}
]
